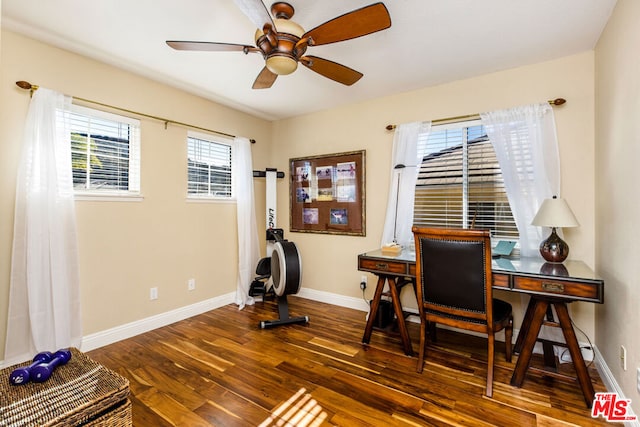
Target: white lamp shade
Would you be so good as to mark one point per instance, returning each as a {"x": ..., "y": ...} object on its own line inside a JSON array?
[{"x": 555, "y": 213}]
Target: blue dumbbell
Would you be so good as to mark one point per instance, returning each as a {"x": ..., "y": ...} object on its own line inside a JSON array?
[
  {"x": 40, "y": 373},
  {"x": 22, "y": 374}
]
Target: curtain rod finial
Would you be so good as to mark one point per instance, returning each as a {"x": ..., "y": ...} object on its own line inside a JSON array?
[
  {"x": 558, "y": 101},
  {"x": 26, "y": 85},
  {"x": 23, "y": 85}
]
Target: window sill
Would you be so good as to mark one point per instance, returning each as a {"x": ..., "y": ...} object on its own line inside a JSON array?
[
  {"x": 94, "y": 197},
  {"x": 210, "y": 200}
]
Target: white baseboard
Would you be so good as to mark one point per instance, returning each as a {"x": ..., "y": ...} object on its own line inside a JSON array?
[
  {"x": 110, "y": 336},
  {"x": 119, "y": 333},
  {"x": 610, "y": 382},
  {"x": 335, "y": 299},
  {"x": 128, "y": 330}
]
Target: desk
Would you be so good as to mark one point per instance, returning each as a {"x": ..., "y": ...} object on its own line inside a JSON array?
[{"x": 549, "y": 285}]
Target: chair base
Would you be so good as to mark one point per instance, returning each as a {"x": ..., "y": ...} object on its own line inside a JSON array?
[{"x": 428, "y": 329}]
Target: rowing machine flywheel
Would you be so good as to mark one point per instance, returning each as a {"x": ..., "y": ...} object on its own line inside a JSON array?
[
  {"x": 286, "y": 276},
  {"x": 286, "y": 268}
]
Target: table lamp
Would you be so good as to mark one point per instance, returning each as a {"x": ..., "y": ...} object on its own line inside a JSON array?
[{"x": 554, "y": 213}]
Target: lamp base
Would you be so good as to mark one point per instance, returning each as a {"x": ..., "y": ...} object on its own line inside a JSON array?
[
  {"x": 554, "y": 249},
  {"x": 554, "y": 269}
]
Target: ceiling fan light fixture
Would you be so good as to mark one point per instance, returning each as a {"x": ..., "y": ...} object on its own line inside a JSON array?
[
  {"x": 259, "y": 33},
  {"x": 281, "y": 65},
  {"x": 289, "y": 27}
]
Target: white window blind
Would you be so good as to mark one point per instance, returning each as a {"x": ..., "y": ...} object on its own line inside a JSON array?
[
  {"x": 460, "y": 184},
  {"x": 209, "y": 167},
  {"x": 105, "y": 152}
]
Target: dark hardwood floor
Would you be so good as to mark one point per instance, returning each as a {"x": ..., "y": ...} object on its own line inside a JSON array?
[{"x": 221, "y": 369}]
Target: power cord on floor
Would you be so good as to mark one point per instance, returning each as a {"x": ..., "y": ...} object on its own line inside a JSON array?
[{"x": 586, "y": 347}]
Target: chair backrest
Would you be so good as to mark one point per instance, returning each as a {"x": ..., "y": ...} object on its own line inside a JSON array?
[{"x": 453, "y": 272}]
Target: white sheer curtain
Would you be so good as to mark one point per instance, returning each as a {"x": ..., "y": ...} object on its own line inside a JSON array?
[
  {"x": 248, "y": 245},
  {"x": 525, "y": 142},
  {"x": 405, "y": 152},
  {"x": 44, "y": 299}
]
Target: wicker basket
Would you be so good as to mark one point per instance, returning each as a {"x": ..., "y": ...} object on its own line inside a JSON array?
[
  {"x": 80, "y": 393},
  {"x": 120, "y": 416}
]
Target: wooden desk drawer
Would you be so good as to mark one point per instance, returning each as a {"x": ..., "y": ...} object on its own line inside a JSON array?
[
  {"x": 500, "y": 280},
  {"x": 383, "y": 266},
  {"x": 559, "y": 288},
  {"x": 412, "y": 270}
]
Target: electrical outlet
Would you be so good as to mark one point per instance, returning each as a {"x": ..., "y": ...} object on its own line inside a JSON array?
[
  {"x": 363, "y": 282},
  {"x": 623, "y": 357},
  {"x": 191, "y": 284},
  {"x": 153, "y": 293}
]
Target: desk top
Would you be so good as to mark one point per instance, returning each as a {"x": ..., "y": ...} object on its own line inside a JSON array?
[{"x": 534, "y": 266}]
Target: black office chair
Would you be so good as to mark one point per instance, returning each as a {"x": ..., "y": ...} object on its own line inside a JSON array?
[{"x": 453, "y": 278}]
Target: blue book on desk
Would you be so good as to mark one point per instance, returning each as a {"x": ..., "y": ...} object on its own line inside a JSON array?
[{"x": 503, "y": 248}]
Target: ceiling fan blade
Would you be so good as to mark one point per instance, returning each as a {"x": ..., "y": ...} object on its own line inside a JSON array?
[
  {"x": 331, "y": 70},
  {"x": 357, "y": 23},
  {"x": 256, "y": 11},
  {"x": 265, "y": 79},
  {"x": 211, "y": 46}
]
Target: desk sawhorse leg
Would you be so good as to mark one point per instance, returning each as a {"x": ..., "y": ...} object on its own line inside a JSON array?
[
  {"x": 394, "y": 289},
  {"x": 534, "y": 318}
]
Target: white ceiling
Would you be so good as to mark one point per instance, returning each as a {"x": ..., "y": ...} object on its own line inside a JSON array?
[{"x": 430, "y": 42}]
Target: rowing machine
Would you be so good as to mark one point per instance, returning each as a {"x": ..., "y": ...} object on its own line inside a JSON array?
[{"x": 280, "y": 273}]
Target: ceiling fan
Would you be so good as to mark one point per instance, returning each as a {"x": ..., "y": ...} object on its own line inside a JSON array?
[{"x": 283, "y": 43}]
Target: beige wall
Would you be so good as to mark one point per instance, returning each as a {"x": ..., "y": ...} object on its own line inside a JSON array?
[
  {"x": 128, "y": 247},
  {"x": 330, "y": 261},
  {"x": 617, "y": 86}
]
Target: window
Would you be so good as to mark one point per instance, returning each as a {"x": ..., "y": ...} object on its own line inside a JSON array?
[
  {"x": 209, "y": 167},
  {"x": 460, "y": 184},
  {"x": 105, "y": 152}
]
